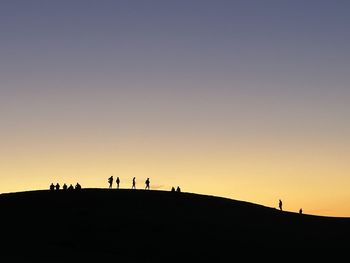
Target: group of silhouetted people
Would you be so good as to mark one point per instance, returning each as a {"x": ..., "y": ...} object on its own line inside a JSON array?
[
  {"x": 65, "y": 187},
  {"x": 178, "y": 189},
  {"x": 147, "y": 187},
  {"x": 133, "y": 186},
  {"x": 110, "y": 181}
]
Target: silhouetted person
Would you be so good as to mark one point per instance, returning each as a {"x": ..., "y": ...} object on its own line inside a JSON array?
[
  {"x": 57, "y": 186},
  {"x": 71, "y": 187},
  {"x": 147, "y": 184},
  {"x": 52, "y": 187},
  {"x": 280, "y": 204},
  {"x": 173, "y": 189},
  {"x": 300, "y": 211},
  {"x": 77, "y": 186},
  {"x": 118, "y": 182},
  {"x": 133, "y": 183},
  {"x": 64, "y": 187},
  {"x": 178, "y": 189},
  {"x": 110, "y": 181}
]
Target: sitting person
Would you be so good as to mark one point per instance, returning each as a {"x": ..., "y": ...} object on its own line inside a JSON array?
[{"x": 78, "y": 186}]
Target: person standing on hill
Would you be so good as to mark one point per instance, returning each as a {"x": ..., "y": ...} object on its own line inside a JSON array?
[
  {"x": 118, "y": 182},
  {"x": 110, "y": 181},
  {"x": 147, "y": 183},
  {"x": 280, "y": 204},
  {"x": 133, "y": 183}
]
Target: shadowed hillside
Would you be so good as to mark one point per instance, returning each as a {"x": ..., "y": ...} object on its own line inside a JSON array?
[{"x": 138, "y": 225}]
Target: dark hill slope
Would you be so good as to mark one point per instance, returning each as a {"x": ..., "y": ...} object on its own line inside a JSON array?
[{"x": 155, "y": 226}]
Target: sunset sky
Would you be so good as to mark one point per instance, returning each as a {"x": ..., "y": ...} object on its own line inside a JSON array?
[{"x": 241, "y": 99}]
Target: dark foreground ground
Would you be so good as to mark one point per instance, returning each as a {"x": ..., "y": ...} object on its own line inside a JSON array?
[{"x": 156, "y": 226}]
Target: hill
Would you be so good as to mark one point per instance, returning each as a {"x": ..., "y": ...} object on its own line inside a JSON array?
[{"x": 139, "y": 225}]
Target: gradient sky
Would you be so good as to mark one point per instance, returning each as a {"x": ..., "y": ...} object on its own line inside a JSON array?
[{"x": 241, "y": 99}]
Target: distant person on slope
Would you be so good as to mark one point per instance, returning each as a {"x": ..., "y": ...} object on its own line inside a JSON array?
[
  {"x": 280, "y": 204},
  {"x": 57, "y": 186},
  {"x": 110, "y": 181},
  {"x": 118, "y": 182},
  {"x": 52, "y": 186},
  {"x": 133, "y": 183},
  {"x": 178, "y": 189},
  {"x": 147, "y": 183}
]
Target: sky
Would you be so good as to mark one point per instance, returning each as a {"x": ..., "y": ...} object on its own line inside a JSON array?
[{"x": 241, "y": 99}]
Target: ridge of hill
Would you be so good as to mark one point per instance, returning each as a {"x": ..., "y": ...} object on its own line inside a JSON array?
[{"x": 154, "y": 226}]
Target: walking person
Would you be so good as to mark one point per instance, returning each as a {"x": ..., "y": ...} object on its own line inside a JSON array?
[
  {"x": 133, "y": 183},
  {"x": 147, "y": 184},
  {"x": 118, "y": 182},
  {"x": 280, "y": 204},
  {"x": 110, "y": 181}
]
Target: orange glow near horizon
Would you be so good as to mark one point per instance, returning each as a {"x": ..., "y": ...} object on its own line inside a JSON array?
[{"x": 260, "y": 173}]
